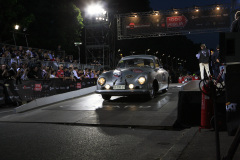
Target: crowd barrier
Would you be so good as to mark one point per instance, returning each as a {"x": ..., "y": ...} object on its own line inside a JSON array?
[{"x": 32, "y": 89}]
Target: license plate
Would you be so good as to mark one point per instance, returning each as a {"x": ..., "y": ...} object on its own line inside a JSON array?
[{"x": 119, "y": 87}]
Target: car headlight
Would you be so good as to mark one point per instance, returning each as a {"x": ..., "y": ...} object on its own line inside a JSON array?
[
  {"x": 131, "y": 86},
  {"x": 101, "y": 81},
  {"x": 107, "y": 86},
  {"x": 141, "y": 80}
]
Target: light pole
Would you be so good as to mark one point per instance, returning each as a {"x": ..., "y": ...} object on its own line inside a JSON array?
[
  {"x": 26, "y": 39},
  {"x": 16, "y": 27},
  {"x": 77, "y": 44},
  {"x": 97, "y": 13}
]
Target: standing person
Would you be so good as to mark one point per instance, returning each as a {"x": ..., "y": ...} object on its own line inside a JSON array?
[
  {"x": 215, "y": 62},
  {"x": 33, "y": 73},
  {"x": 4, "y": 72},
  {"x": 52, "y": 75},
  {"x": 203, "y": 56},
  {"x": 59, "y": 52},
  {"x": 235, "y": 27},
  {"x": 91, "y": 73},
  {"x": 29, "y": 53},
  {"x": 210, "y": 61},
  {"x": 60, "y": 72},
  {"x": 71, "y": 74},
  {"x": 67, "y": 73},
  {"x": 50, "y": 55},
  {"x": 75, "y": 73}
]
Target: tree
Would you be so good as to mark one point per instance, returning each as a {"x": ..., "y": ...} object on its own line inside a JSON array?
[
  {"x": 57, "y": 22},
  {"x": 12, "y": 12},
  {"x": 48, "y": 23}
]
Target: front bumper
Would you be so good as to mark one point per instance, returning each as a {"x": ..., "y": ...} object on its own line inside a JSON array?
[{"x": 122, "y": 92}]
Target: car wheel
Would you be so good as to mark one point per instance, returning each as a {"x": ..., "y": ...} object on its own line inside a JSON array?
[{"x": 106, "y": 97}]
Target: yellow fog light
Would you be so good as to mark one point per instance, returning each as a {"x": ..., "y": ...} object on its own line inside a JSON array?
[
  {"x": 107, "y": 86},
  {"x": 131, "y": 86},
  {"x": 141, "y": 80},
  {"x": 101, "y": 81}
]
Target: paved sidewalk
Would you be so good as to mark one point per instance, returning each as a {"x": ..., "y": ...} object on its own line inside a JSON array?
[{"x": 203, "y": 146}]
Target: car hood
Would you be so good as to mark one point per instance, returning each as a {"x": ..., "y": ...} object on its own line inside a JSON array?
[{"x": 128, "y": 74}]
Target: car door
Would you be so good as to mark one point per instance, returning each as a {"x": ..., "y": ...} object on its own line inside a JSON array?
[{"x": 162, "y": 77}]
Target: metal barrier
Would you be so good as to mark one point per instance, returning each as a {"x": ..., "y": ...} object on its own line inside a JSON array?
[{"x": 29, "y": 90}]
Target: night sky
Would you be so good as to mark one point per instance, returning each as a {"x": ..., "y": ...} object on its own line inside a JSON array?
[{"x": 210, "y": 39}]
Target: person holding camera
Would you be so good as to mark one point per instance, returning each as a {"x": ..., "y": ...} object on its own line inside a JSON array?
[{"x": 203, "y": 57}]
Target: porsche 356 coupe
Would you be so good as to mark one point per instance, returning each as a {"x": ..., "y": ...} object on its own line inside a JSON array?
[{"x": 136, "y": 74}]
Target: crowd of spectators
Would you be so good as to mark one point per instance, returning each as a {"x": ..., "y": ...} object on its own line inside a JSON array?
[
  {"x": 18, "y": 53},
  {"x": 14, "y": 66},
  {"x": 38, "y": 71}
]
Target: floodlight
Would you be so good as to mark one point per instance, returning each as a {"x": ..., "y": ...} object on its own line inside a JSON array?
[
  {"x": 16, "y": 27},
  {"x": 77, "y": 43},
  {"x": 95, "y": 9}
]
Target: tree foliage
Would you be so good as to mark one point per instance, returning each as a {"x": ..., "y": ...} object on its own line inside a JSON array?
[
  {"x": 12, "y": 12},
  {"x": 48, "y": 23}
]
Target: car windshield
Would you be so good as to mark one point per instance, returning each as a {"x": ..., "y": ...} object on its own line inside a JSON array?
[{"x": 136, "y": 62}]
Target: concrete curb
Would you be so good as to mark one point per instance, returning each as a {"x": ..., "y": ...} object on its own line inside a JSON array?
[
  {"x": 53, "y": 99},
  {"x": 176, "y": 150}
]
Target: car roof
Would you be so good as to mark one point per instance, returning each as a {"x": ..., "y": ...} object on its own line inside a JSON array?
[{"x": 139, "y": 56}]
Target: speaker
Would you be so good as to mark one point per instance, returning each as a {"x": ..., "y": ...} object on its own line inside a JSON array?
[
  {"x": 229, "y": 46},
  {"x": 232, "y": 78}
]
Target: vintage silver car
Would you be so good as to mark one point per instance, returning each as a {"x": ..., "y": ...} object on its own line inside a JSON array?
[{"x": 136, "y": 74}]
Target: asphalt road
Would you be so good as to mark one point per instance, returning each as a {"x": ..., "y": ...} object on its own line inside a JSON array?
[
  {"x": 35, "y": 141},
  {"x": 89, "y": 128}
]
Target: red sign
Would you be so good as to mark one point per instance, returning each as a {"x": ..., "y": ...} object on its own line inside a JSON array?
[
  {"x": 79, "y": 85},
  {"x": 38, "y": 87},
  {"x": 176, "y": 21},
  {"x": 131, "y": 25}
]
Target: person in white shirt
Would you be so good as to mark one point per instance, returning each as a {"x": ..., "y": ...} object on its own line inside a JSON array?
[
  {"x": 75, "y": 71},
  {"x": 53, "y": 73}
]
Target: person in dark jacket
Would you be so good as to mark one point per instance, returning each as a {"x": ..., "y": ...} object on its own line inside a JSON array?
[
  {"x": 215, "y": 62},
  {"x": 33, "y": 73},
  {"x": 203, "y": 56},
  {"x": 235, "y": 27}
]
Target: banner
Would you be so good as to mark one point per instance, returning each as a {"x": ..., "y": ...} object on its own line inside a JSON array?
[
  {"x": 178, "y": 22},
  {"x": 32, "y": 89}
]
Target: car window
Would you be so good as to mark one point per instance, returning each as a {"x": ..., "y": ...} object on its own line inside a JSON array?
[{"x": 136, "y": 62}]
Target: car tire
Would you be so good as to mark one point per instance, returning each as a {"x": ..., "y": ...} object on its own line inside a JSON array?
[{"x": 106, "y": 97}]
